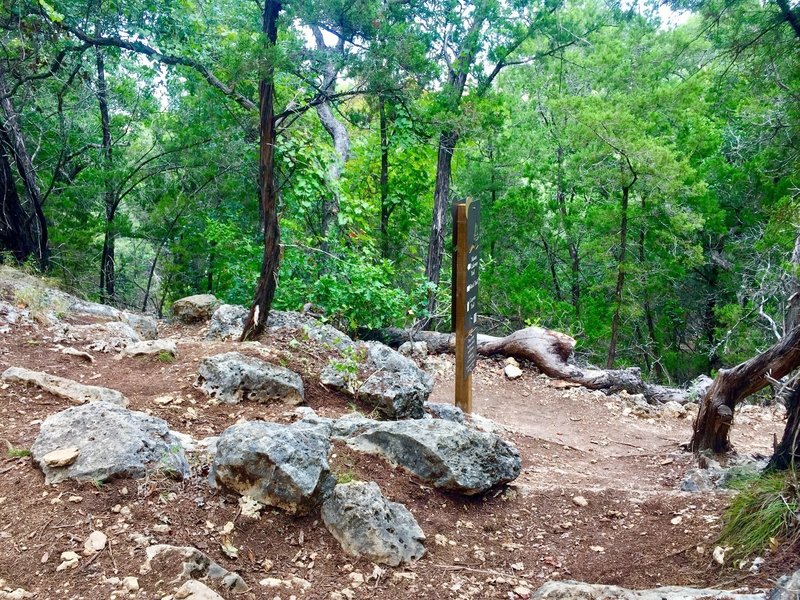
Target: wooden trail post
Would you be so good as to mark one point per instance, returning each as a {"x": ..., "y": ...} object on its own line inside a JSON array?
[{"x": 465, "y": 298}]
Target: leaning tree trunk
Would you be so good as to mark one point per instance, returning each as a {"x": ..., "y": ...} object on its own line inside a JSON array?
[
  {"x": 550, "y": 351},
  {"x": 267, "y": 282},
  {"x": 731, "y": 386},
  {"x": 788, "y": 451}
]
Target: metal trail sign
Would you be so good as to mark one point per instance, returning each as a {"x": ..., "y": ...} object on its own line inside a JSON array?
[{"x": 465, "y": 297}]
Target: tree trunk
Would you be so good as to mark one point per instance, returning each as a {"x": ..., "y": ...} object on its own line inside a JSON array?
[
  {"x": 623, "y": 247},
  {"x": 267, "y": 282},
  {"x": 788, "y": 451},
  {"x": 792, "y": 317},
  {"x": 561, "y": 199},
  {"x": 36, "y": 223},
  {"x": 107, "y": 265},
  {"x": 15, "y": 235},
  {"x": 731, "y": 386},
  {"x": 441, "y": 202},
  {"x": 789, "y": 16},
  {"x": 550, "y": 351},
  {"x": 386, "y": 210},
  {"x": 339, "y": 136}
]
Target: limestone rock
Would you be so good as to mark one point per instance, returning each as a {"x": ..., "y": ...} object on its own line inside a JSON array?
[
  {"x": 387, "y": 380},
  {"x": 448, "y": 412},
  {"x": 786, "y": 588},
  {"x": 512, "y": 372},
  {"x": 285, "y": 466},
  {"x": 367, "y": 525},
  {"x": 95, "y": 542},
  {"x": 445, "y": 454},
  {"x": 145, "y": 326},
  {"x": 195, "y": 308},
  {"x": 417, "y": 350},
  {"x": 61, "y": 457},
  {"x": 150, "y": 347},
  {"x": 196, "y": 590},
  {"x": 309, "y": 327},
  {"x": 574, "y": 590},
  {"x": 180, "y": 563},
  {"x": 73, "y": 391},
  {"x": 227, "y": 323},
  {"x": 112, "y": 442},
  {"x": 232, "y": 377}
]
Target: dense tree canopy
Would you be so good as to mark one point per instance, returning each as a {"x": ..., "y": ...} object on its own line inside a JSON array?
[{"x": 638, "y": 168}]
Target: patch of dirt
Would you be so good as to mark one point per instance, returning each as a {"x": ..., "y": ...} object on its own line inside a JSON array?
[{"x": 636, "y": 530}]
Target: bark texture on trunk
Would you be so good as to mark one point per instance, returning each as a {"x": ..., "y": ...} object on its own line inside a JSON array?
[
  {"x": 107, "y": 258},
  {"x": 441, "y": 202},
  {"x": 35, "y": 222},
  {"x": 337, "y": 131},
  {"x": 267, "y": 282},
  {"x": 623, "y": 248},
  {"x": 15, "y": 234},
  {"x": 386, "y": 210},
  {"x": 731, "y": 386},
  {"x": 787, "y": 453},
  {"x": 550, "y": 351}
]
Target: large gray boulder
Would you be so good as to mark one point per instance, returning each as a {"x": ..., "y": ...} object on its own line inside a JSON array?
[
  {"x": 385, "y": 379},
  {"x": 369, "y": 526},
  {"x": 232, "y": 377},
  {"x": 195, "y": 308},
  {"x": 227, "y": 323},
  {"x": 445, "y": 454},
  {"x": 111, "y": 442},
  {"x": 285, "y": 466},
  {"x": 575, "y": 590},
  {"x": 306, "y": 326},
  {"x": 77, "y": 393},
  {"x": 144, "y": 325}
]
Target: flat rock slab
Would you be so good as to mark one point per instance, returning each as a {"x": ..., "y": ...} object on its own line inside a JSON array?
[
  {"x": 196, "y": 590},
  {"x": 150, "y": 347},
  {"x": 369, "y": 526},
  {"x": 227, "y": 323},
  {"x": 285, "y": 466},
  {"x": 233, "y": 377},
  {"x": 574, "y": 590},
  {"x": 181, "y": 563},
  {"x": 445, "y": 454},
  {"x": 195, "y": 308},
  {"x": 385, "y": 379},
  {"x": 73, "y": 391},
  {"x": 112, "y": 442}
]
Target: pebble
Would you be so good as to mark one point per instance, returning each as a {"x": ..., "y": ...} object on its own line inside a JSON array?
[
  {"x": 512, "y": 372},
  {"x": 95, "y": 543},
  {"x": 580, "y": 501},
  {"x": 69, "y": 560},
  {"x": 130, "y": 583}
]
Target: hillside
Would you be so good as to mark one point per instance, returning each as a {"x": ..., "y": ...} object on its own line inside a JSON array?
[{"x": 598, "y": 497}]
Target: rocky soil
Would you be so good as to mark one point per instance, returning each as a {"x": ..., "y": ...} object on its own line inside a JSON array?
[{"x": 554, "y": 483}]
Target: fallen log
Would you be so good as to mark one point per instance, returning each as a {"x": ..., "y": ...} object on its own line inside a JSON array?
[{"x": 550, "y": 351}]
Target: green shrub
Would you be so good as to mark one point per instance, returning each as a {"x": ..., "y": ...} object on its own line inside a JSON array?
[{"x": 763, "y": 513}]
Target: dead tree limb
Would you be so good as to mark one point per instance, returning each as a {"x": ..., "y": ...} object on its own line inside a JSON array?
[
  {"x": 731, "y": 386},
  {"x": 550, "y": 351}
]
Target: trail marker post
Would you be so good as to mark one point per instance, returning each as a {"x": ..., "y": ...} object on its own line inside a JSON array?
[{"x": 465, "y": 297}]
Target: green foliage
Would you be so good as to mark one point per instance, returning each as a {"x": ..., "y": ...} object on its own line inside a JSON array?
[
  {"x": 18, "y": 452},
  {"x": 763, "y": 514}
]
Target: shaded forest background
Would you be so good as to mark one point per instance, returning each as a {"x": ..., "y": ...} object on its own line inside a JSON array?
[{"x": 637, "y": 166}]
